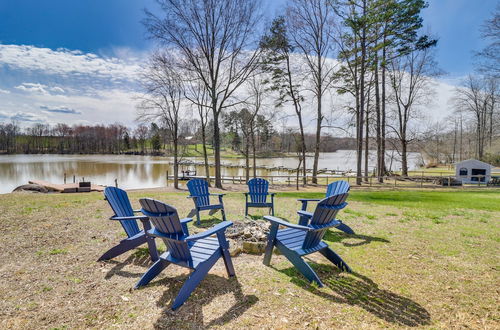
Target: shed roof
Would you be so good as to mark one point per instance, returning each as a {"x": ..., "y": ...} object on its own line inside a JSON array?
[{"x": 475, "y": 161}]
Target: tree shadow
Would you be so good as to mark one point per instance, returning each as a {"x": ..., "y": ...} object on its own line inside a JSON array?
[
  {"x": 207, "y": 223},
  {"x": 358, "y": 290},
  {"x": 339, "y": 237},
  {"x": 190, "y": 314}
]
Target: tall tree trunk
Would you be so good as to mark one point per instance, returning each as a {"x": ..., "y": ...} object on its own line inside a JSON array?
[
  {"x": 382, "y": 117},
  {"x": 205, "y": 153},
  {"x": 360, "y": 122},
  {"x": 378, "y": 119},
  {"x": 176, "y": 164},
  {"x": 254, "y": 155},
  {"x": 218, "y": 178},
  {"x": 319, "y": 96},
  {"x": 367, "y": 131},
  {"x": 404, "y": 157},
  {"x": 247, "y": 161}
]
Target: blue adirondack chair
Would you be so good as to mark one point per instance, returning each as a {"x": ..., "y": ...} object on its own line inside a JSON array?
[
  {"x": 198, "y": 190},
  {"x": 258, "y": 190},
  {"x": 334, "y": 188},
  {"x": 198, "y": 252},
  {"x": 297, "y": 241},
  {"x": 119, "y": 202}
]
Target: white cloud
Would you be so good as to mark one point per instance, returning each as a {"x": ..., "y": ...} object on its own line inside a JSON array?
[
  {"x": 64, "y": 62},
  {"x": 4, "y": 91}
]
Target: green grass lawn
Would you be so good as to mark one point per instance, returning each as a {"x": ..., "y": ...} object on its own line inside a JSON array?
[{"x": 420, "y": 259}]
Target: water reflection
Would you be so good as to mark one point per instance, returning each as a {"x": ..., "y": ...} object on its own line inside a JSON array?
[{"x": 147, "y": 171}]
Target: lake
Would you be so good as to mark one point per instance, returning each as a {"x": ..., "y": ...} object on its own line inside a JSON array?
[{"x": 149, "y": 171}]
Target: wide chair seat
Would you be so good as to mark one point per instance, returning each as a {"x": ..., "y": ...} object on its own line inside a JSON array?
[
  {"x": 298, "y": 240},
  {"x": 293, "y": 239},
  {"x": 197, "y": 252}
]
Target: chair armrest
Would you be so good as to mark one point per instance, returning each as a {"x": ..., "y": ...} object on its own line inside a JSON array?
[
  {"x": 308, "y": 200},
  {"x": 335, "y": 207},
  {"x": 191, "y": 196},
  {"x": 217, "y": 194},
  {"x": 156, "y": 233},
  {"x": 186, "y": 220},
  {"x": 285, "y": 223},
  {"x": 305, "y": 214},
  {"x": 214, "y": 230},
  {"x": 136, "y": 211},
  {"x": 333, "y": 223},
  {"x": 134, "y": 217}
]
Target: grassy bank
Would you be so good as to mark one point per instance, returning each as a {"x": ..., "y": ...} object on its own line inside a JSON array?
[{"x": 420, "y": 258}]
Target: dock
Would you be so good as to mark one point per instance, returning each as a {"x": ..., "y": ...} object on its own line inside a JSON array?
[{"x": 67, "y": 187}]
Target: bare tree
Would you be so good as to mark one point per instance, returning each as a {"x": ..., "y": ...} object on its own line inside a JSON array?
[
  {"x": 196, "y": 93},
  {"x": 213, "y": 39},
  {"x": 310, "y": 24},
  {"x": 164, "y": 89},
  {"x": 411, "y": 81},
  {"x": 478, "y": 97},
  {"x": 489, "y": 57}
]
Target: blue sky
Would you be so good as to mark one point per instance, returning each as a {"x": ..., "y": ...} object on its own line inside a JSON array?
[{"x": 57, "y": 57}]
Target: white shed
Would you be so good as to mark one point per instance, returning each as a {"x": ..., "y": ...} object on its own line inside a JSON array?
[{"x": 473, "y": 171}]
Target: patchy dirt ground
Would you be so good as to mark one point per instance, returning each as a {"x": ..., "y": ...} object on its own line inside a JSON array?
[{"x": 414, "y": 267}]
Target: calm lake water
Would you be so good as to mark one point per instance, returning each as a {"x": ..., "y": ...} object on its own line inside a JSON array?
[{"x": 148, "y": 171}]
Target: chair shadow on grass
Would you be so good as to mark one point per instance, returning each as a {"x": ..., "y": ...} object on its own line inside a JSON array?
[
  {"x": 139, "y": 258},
  {"x": 190, "y": 315},
  {"x": 358, "y": 290},
  {"x": 338, "y": 237}
]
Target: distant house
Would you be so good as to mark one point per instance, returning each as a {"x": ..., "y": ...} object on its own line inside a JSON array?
[{"x": 473, "y": 171}]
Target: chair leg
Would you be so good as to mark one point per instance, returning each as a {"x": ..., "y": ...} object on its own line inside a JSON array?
[
  {"x": 153, "y": 252},
  {"x": 302, "y": 266},
  {"x": 271, "y": 238},
  {"x": 152, "y": 272},
  {"x": 335, "y": 259},
  {"x": 246, "y": 210},
  {"x": 224, "y": 247},
  {"x": 223, "y": 214},
  {"x": 124, "y": 246},
  {"x": 272, "y": 210},
  {"x": 197, "y": 217},
  {"x": 192, "y": 282}
]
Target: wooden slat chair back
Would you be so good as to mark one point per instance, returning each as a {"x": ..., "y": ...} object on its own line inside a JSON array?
[
  {"x": 120, "y": 204},
  {"x": 325, "y": 212},
  {"x": 199, "y": 189},
  {"x": 165, "y": 220},
  {"x": 298, "y": 240},
  {"x": 334, "y": 188},
  {"x": 197, "y": 252},
  {"x": 337, "y": 187},
  {"x": 258, "y": 191}
]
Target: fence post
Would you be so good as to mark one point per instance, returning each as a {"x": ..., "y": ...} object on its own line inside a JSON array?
[
  {"x": 167, "y": 178},
  {"x": 422, "y": 181},
  {"x": 370, "y": 181},
  {"x": 74, "y": 179},
  {"x": 395, "y": 181},
  {"x": 449, "y": 181},
  {"x": 116, "y": 183},
  {"x": 327, "y": 180},
  {"x": 65, "y": 178},
  {"x": 289, "y": 182},
  {"x": 233, "y": 179}
]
